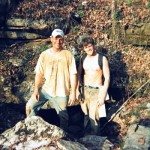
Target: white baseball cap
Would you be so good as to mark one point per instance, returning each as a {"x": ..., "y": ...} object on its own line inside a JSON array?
[{"x": 57, "y": 32}]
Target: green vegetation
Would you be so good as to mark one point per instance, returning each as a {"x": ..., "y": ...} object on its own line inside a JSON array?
[
  {"x": 75, "y": 30},
  {"x": 80, "y": 11},
  {"x": 126, "y": 49},
  {"x": 148, "y": 5},
  {"x": 41, "y": 48},
  {"x": 129, "y": 3},
  {"x": 118, "y": 15},
  {"x": 136, "y": 114}
]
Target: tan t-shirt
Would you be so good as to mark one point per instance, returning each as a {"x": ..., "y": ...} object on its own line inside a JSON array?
[{"x": 56, "y": 69}]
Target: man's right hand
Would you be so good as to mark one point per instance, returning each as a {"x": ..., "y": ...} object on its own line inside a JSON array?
[{"x": 35, "y": 96}]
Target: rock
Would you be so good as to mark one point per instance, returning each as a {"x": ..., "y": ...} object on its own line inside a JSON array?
[
  {"x": 94, "y": 142},
  {"x": 35, "y": 133},
  {"x": 70, "y": 145},
  {"x": 19, "y": 28},
  {"x": 19, "y": 35},
  {"x": 138, "y": 138},
  {"x": 16, "y": 62},
  {"x": 24, "y": 90},
  {"x": 80, "y": 38},
  {"x": 138, "y": 34},
  {"x": 27, "y": 23}
]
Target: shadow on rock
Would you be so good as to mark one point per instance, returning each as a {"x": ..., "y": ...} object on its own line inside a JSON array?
[
  {"x": 75, "y": 119},
  {"x": 110, "y": 130}
]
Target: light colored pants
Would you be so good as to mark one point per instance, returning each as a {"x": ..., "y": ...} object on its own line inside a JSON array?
[
  {"x": 59, "y": 103},
  {"x": 90, "y": 110}
]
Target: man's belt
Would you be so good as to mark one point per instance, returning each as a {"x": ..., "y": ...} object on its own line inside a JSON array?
[{"x": 91, "y": 87}]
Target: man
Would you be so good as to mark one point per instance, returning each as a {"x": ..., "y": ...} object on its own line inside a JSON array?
[
  {"x": 56, "y": 66},
  {"x": 94, "y": 89}
]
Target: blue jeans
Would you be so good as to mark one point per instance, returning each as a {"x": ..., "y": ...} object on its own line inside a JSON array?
[{"x": 59, "y": 103}]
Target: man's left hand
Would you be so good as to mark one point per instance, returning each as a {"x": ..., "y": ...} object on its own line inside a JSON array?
[{"x": 100, "y": 103}]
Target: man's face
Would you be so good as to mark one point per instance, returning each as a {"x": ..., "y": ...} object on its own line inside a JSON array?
[
  {"x": 89, "y": 49},
  {"x": 57, "y": 42}
]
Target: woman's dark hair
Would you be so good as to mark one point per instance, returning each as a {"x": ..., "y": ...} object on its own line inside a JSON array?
[{"x": 87, "y": 40}]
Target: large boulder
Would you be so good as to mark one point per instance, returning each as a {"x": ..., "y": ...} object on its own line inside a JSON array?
[
  {"x": 35, "y": 133},
  {"x": 138, "y": 138}
]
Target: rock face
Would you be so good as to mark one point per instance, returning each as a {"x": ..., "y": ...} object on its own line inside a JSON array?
[
  {"x": 138, "y": 138},
  {"x": 28, "y": 26},
  {"x": 28, "y": 29},
  {"x": 138, "y": 34},
  {"x": 35, "y": 133}
]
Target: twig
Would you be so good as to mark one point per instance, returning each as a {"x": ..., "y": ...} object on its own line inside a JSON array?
[{"x": 120, "y": 109}]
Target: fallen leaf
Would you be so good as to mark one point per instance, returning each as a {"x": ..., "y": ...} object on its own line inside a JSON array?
[{"x": 141, "y": 140}]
